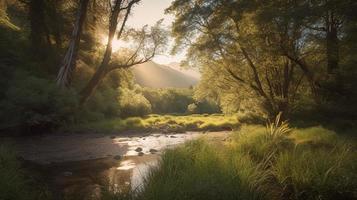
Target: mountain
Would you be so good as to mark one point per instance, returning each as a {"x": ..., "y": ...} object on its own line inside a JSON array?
[
  {"x": 190, "y": 72},
  {"x": 154, "y": 75}
]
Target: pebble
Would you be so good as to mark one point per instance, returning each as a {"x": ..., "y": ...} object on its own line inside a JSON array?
[
  {"x": 152, "y": 151},
  {"x": 139, "y": 149}
]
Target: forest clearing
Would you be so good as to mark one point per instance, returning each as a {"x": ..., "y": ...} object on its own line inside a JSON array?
[{"x": 178, "y": 100}]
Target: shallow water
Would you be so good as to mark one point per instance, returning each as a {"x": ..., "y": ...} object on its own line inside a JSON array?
[{"x": 79, "y": 164}]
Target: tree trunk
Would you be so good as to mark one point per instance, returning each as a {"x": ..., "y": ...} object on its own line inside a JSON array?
[
  {"x": 57, "y": 27},
  {"x": 332, "y": 49},
  {"x": 103, "y": 68},
  {"x": 3, "y": 7},
  {"x": 39, "y": 33},
  {"x": 69, "y": 61},
  {"x": 97, "y": 78}
]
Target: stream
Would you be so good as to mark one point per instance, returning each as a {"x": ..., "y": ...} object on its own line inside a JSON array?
[{"x": 76, "y": 166}]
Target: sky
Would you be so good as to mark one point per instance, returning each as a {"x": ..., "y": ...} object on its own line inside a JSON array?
[{"x": 148, "y": 12}]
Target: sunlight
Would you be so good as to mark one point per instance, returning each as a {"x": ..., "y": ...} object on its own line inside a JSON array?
[
  {"x": 178, "y": 99},
  {"x": 116, "y": 44}
]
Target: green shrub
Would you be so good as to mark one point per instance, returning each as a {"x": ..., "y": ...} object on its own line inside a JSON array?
[
  {"x": 133, "y": 104},
  {"x": 170, "y": 100},
  {"x": 102, "y": 105},
  {"x": 251, "y": 118},
  {"x": 192, "y": 108},
  {"x": 36, "y": 104},
  {"x": 177, "y": 100}
]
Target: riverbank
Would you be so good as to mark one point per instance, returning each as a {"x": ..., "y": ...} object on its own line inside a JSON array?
[
  {"x": 254, "y": 162},
  {"x": 257, "y": 163},
  {"x": 161, "y": 123}
]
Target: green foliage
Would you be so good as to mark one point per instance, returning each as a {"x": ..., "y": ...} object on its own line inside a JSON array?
[
  {"x": 168, "y": 100},
  {"x": 177, "y": 100},
  {"x": 133, "y": 104},
  {"x": 103, "y": 104},
  {"x": 14, "y": 182},
  {"x": 192, "y": 108},
  {"x": 33, "y": 103},
  {"x": 266, "y": 56},
  {"x": 162, "y": 123}
]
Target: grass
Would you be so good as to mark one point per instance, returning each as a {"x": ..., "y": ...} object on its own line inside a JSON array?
[
  {"x": 162, "y": 123},
  {"x": 198, "y": 171},
  {"x": 6, "y": 23},
  {"x": 14, "y": 182},
  {"x": 298, "y": 164}
]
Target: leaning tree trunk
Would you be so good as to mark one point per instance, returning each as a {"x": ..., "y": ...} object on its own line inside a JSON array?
[
  {"x": 103, "y": 68},
  {"x": 69, "y": 61},
  {"x": 97, "y": 77}
]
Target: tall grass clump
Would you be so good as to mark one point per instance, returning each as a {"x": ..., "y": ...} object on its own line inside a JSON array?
[
  {"x": 317, "y": 173},
  {"x": 14, "y": 182},
  {"x": 277, "y": 128},
  {"x": 198, "y": 171}
]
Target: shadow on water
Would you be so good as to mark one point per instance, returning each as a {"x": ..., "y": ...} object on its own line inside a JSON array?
[{"x": 84, "y": 179}]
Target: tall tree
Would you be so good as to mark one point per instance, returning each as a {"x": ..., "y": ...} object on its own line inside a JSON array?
[
  {"x": 148, "y": 44},
  {"x": 39, "y": 34},
  {"x": 69, "y": 61},
  {"x": 225, "y": 37}
]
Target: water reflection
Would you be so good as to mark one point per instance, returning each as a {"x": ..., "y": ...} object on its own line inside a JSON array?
[
  {"x": 119, "y": 162},
  {"x": 154, "y": 142},
  {"x": 130, "y": 173},
  {"x": 133, "y": 168},
  {"x": 126, "y": 165}
]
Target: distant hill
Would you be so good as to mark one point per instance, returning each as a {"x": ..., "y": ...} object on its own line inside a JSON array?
[
  {"x": 189, "y": 71},
  {"x": 154, "y": 75}
]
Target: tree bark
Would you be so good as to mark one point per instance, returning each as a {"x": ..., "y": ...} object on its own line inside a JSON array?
[
  {"x": 97, "y": 78},
  {"x": 102, "y": 69},
  {"x": 57, "y": 26},
  {"x": 39, "y": 32},
  {"x": 3, "y": 6},
  {"x": 332, "y": 47},
  {"x": 69, "y": 61}
]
